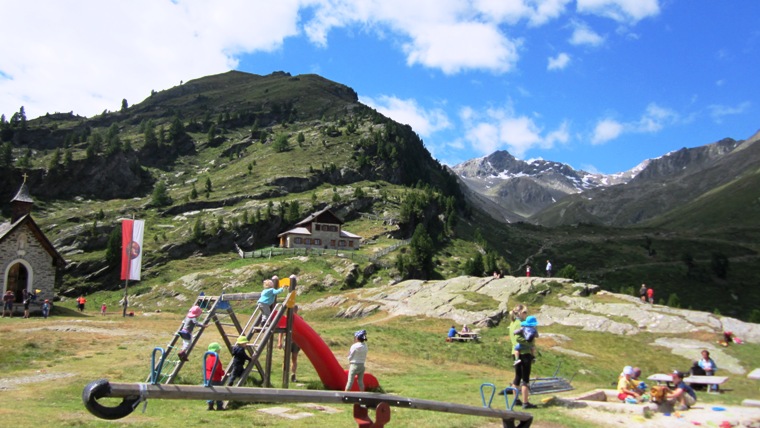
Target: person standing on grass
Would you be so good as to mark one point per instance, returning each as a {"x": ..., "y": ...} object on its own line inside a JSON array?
[
  {"x": 46, "y": 309},
  {"x": 80, "y": 303},
  {"x": 8, "y": 299},
  {"x": 27, "y": 299},
  {"x": 294, "y": 350},
  {"x": 103, "y": 308},
  {"x": 357, "y": 356},
  {"x": 214, "y": 372},
  {"x": 521, "y": 381}
]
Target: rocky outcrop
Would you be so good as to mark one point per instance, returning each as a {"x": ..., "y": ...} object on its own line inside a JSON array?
[{"x": 620, "y": 314}]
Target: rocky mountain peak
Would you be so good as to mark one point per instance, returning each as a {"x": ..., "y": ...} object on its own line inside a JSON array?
[{"x": 542, "y": 191}]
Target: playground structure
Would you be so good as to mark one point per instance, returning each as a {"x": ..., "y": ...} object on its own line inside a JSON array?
[{"x": 166, "y": 365}]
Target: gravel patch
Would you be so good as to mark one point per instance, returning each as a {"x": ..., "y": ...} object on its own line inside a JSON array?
[{"x": 11, "y": 382}]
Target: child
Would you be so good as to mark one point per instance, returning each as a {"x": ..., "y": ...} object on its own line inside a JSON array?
[
  {"x": 103, "y": 309},
  {"x": 294, "y": 350},
  {"x": 267, "y": 299},
  {"x": 239, "y": 358},
  {"x": 46, "y": 308},
  {"x": 357, "y": 356},
  {"x": 186, "y": 332},
  {"x": 214, "y": 373},
  {"x": 27, "y": 299},
  {"x": 528, "y": 332},
  {"x": 626, "y": 387},
  {"x": 80, "y": 303}
]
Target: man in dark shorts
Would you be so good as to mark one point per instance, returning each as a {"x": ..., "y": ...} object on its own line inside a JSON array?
[{"x": 8, "y": 299}]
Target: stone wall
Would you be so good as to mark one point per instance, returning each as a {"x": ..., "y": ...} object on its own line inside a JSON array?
[{"x": 38, "y": 262}]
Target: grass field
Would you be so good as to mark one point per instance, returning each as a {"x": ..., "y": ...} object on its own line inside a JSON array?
[{"x": 59, "y": 356}]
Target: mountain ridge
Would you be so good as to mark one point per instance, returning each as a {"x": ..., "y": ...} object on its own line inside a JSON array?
[{"x": 551, "y": 194}]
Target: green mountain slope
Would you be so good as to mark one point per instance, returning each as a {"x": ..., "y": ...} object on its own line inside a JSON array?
[{"x": 235, "y": 159}]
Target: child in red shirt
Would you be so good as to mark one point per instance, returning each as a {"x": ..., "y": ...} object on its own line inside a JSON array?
[{"x": 214, "y": 372}]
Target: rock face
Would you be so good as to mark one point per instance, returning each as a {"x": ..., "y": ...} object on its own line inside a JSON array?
[{"x": 626, "y": 315}]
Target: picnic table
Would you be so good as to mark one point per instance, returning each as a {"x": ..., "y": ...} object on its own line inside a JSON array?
[
  {"x": 710, "y": 381},
  {"x": 465, "y": 336},
  {"x": 472, "y": 335}
]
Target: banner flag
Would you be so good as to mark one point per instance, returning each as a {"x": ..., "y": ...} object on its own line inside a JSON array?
[{"x": 131, "y": 248}]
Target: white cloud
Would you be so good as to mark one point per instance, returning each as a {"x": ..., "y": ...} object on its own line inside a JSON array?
[
  {"x": 87, "y": 56},
  {"x": 606, "y": 130},
  {"x": 654, "y": 119},
  {"x": 583, "y": 35},
  {"x": 409, "y": 112},
  {"x": 620, "y": 10},
  {"x": 496, "y": 129},
  {"x": 560, "y": 135},
  {"x": 91, "y": 56},
  {"x": 511, "y": 12},
  {"x": 456, "y": 47},
  {"x": 559, "y": 62},
  {"x": 718, "y": 111}
]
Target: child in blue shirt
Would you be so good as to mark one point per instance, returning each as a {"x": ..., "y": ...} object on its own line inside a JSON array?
[
  {"x": 267, "y": 299},
  {"x": 528, "y": 332}
]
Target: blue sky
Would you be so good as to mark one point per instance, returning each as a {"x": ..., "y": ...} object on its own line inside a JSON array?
[{"x": 598, "y": 84}]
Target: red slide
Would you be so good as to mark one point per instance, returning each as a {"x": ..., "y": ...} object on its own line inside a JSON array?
[{"x": 330, "y": 372}]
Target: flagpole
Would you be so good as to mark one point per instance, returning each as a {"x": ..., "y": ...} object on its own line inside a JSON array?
[
  {"x": 124, "y": 312},
  {"x": 128, "y": 254}
]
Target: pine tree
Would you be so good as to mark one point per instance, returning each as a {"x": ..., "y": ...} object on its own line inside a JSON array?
[
  {"x": 6, "y": 155},
  {"x": 149, "y": 135},
  {"x": 280, "y": 143},
  {"x": 160, "y": 196},
  {"x": 113, "y": 248}
]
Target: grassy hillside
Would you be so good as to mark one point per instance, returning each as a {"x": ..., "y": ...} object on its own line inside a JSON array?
[
  {"x": 679, "y": 263},
  {"x": 243, "y": 157}
]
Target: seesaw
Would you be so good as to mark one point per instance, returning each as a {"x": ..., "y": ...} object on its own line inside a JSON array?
[{"x": 133, "y": 394}]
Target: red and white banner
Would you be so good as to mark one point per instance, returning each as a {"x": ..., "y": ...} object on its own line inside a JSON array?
[{"x": 131, "y": 248}]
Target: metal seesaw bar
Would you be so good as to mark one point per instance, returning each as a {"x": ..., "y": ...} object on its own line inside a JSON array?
[{"x": 133, "y": 394}]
